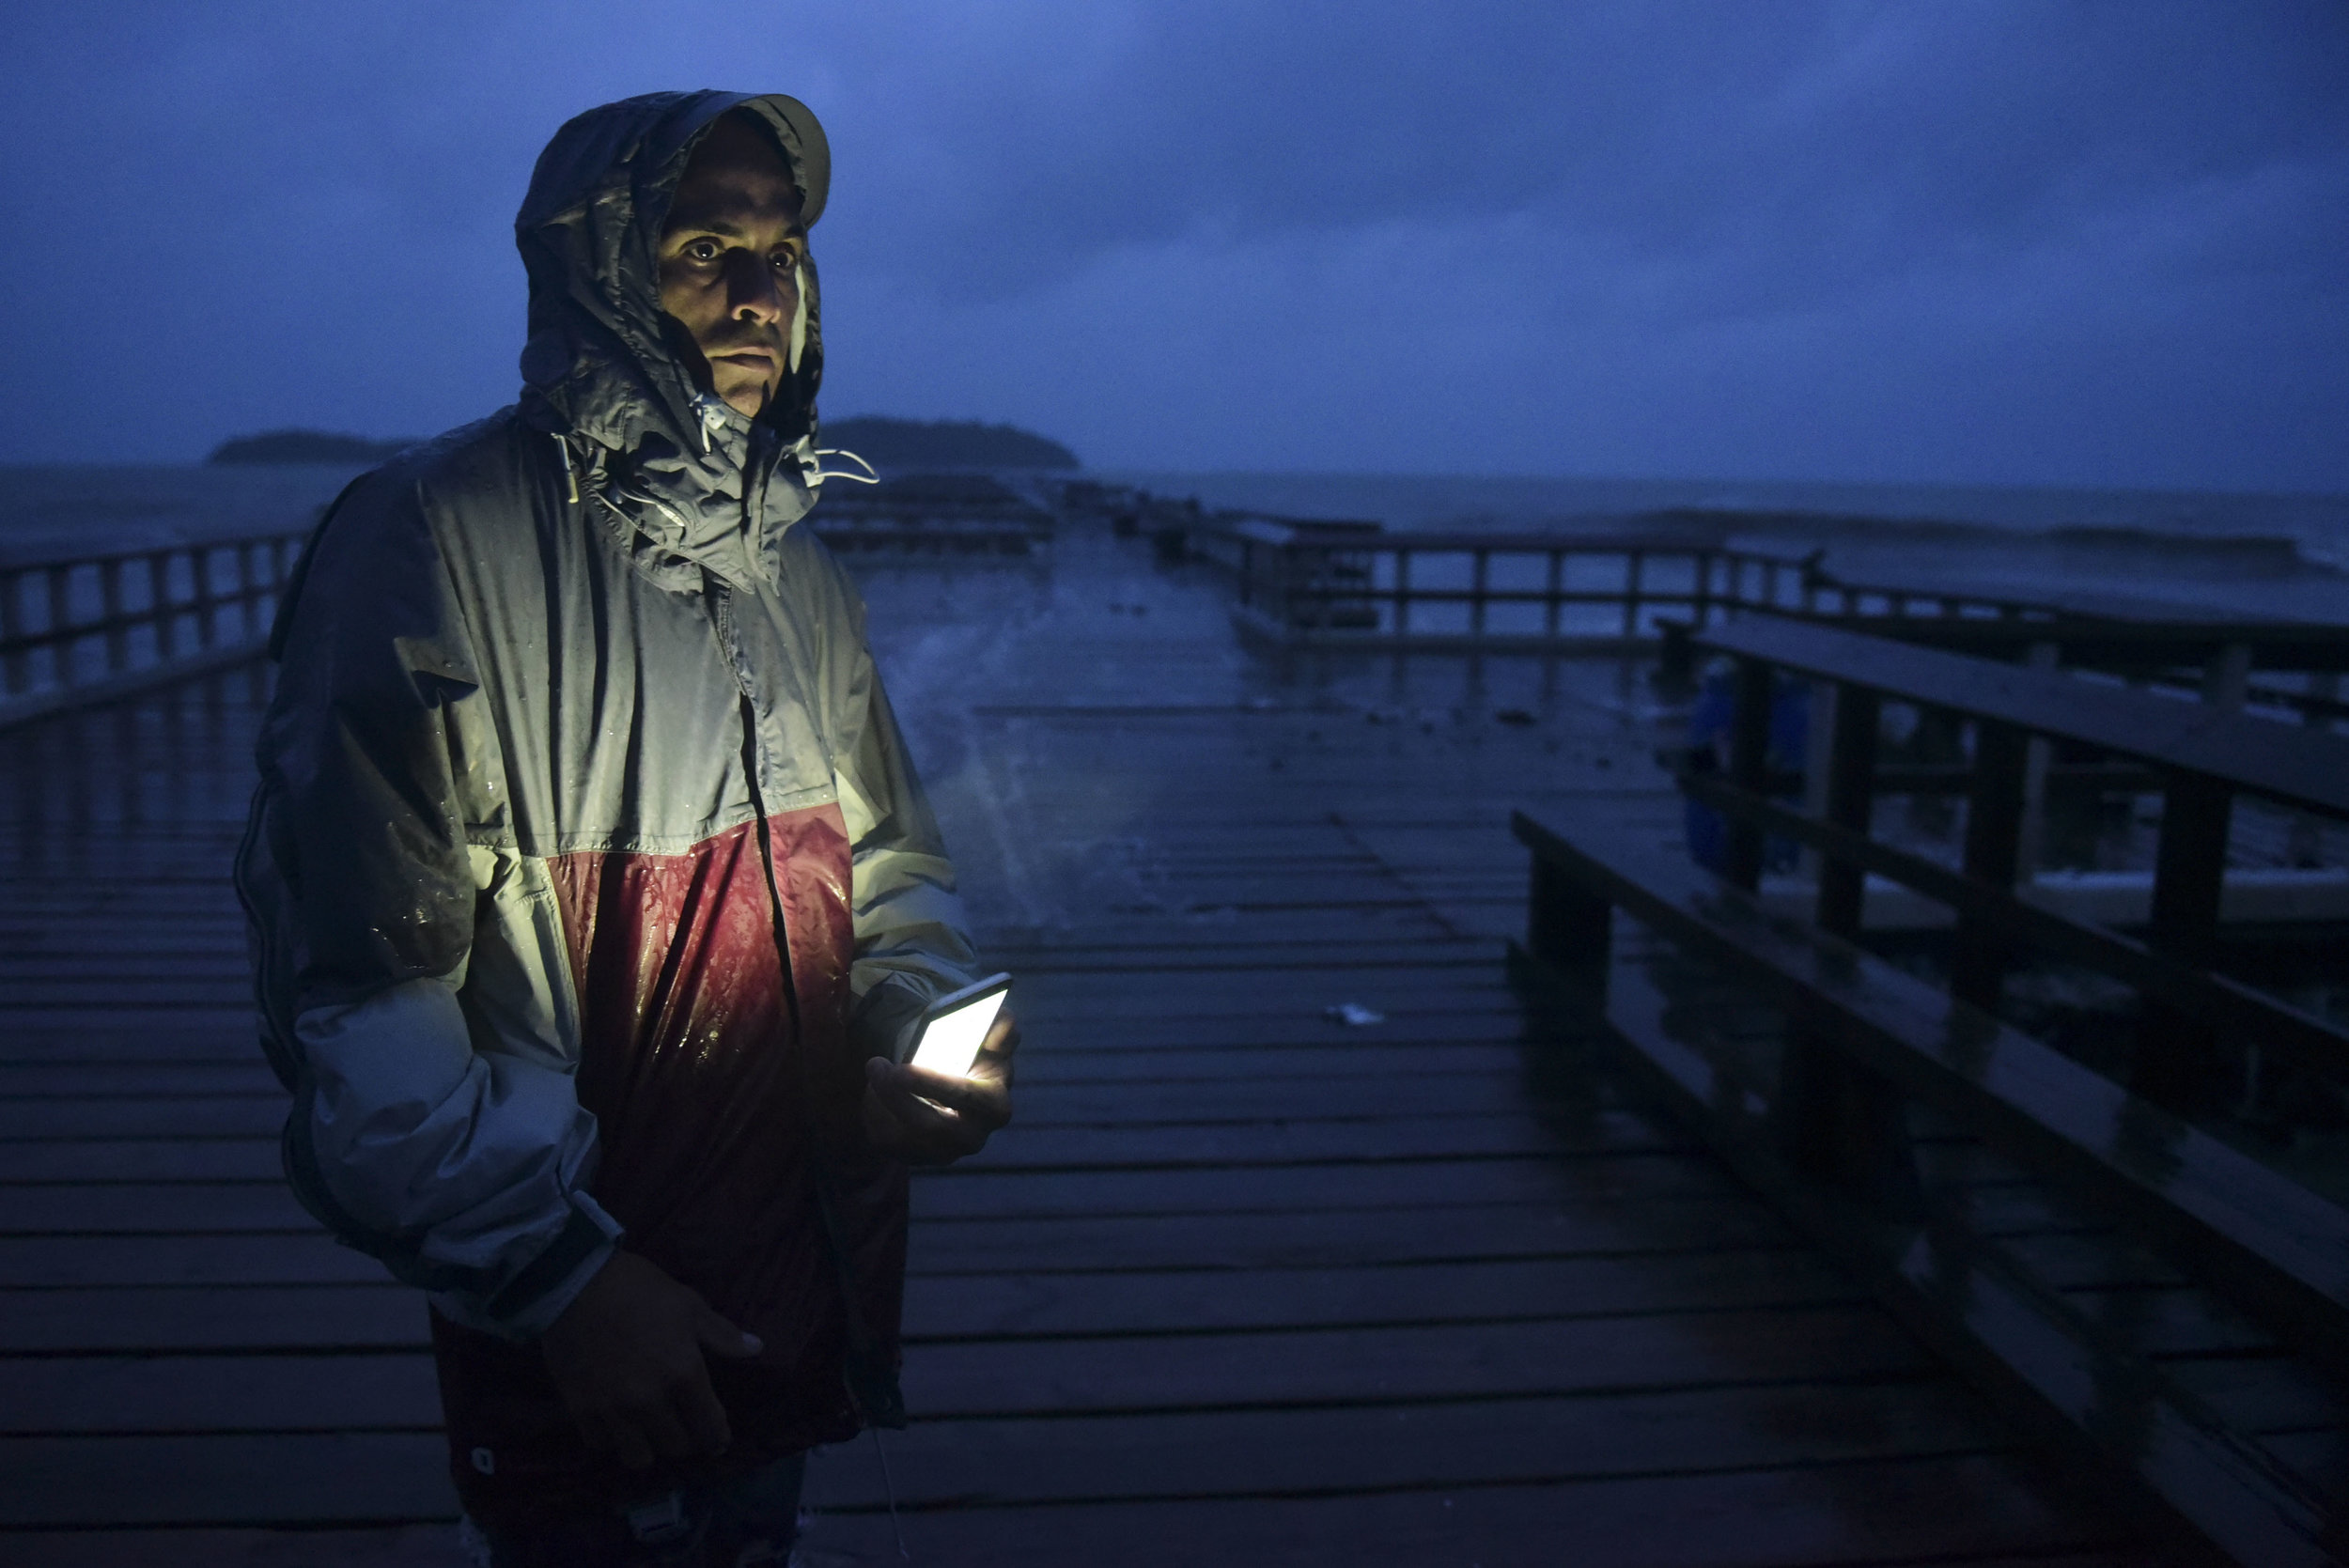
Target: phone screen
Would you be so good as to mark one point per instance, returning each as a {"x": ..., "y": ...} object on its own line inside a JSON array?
[{"x": 956, "y": 1028}]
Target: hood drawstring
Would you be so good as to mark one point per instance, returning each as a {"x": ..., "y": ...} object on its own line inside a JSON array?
[
  {"x": 712, "y": 416},
  {"x": 816, "y": 472},
  {"x": 570, "y": 475}
]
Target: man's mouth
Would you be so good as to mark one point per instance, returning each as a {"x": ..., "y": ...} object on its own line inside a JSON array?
[{"x": 755, "y": 359}]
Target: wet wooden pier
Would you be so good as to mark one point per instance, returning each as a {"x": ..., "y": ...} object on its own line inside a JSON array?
[{"x": 1246, "y": 1282}]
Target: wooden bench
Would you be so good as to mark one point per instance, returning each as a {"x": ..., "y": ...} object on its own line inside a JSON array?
[{"x": 1826, "y": 1130}]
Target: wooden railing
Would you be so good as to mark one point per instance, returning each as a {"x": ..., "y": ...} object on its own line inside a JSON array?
[
  {"x": 96, "y": 626},
  {"x": 1334, "y": 585},
  {"x": 1906, "y": 1124},
  {"x": 2203, "y": 755},
  {"x": 2230, "y": 657}
]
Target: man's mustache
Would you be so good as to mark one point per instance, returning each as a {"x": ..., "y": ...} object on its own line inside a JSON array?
[{"x": 734, "y": 343}]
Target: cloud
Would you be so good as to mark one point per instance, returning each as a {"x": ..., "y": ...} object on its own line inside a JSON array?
[{"x": 1996, "y": 239}]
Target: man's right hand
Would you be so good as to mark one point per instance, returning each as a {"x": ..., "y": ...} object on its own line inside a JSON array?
[{"x": 627, "y": 1357}]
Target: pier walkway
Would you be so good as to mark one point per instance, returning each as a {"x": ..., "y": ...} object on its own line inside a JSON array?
[{"x": 1245, "y": 1283}]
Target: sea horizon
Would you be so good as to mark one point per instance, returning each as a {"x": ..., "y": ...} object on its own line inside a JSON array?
[{"x": 2276, "y": 553}]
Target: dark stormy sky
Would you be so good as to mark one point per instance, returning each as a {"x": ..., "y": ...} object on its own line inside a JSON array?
[{"x": 1985, "y": 241}]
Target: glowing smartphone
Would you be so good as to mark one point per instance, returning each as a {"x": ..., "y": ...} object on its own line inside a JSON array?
[{"x": 954, "y": 1027}]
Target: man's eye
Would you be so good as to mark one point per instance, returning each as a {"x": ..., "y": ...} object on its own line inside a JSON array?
[
  {"x": 786, "y": 262},
  {"x": 703, "y": 250}
]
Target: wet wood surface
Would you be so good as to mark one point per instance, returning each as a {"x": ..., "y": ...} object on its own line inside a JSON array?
[{"x": 1242, "y": 1283}]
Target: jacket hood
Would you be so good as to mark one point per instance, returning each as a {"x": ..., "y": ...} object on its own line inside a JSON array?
[{"x": 681, "y": 478}]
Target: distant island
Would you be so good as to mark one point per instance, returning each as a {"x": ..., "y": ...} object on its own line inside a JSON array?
[
  {"x": 916, "y": 445},
  {"x": 905, "y": 445},
  {"x": 323, "y": 447}
]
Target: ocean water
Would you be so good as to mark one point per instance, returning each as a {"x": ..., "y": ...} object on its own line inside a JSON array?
[
  {"x": 2273, "y": 555},
  {"x": 2276, "y": 554}
]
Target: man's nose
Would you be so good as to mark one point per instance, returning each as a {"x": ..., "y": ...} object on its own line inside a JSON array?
[{"x": 755, "y": 292}]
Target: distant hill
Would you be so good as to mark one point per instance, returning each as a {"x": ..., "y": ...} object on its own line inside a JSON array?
[
  {"x": 323, "y": 447},
  {"x": 914, "y": 445},
  {"x": 902, "y": 444}
]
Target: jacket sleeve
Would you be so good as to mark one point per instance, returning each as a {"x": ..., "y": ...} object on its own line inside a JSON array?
[
  {"x": 454, "y": 1151},
  {"x": 913, "y": 940}
]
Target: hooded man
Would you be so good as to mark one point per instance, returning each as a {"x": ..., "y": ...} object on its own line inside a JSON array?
[{"x": 592, "y": 895}]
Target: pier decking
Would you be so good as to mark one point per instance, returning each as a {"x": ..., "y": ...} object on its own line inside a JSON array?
[{"x": 1244, "y": 1283}]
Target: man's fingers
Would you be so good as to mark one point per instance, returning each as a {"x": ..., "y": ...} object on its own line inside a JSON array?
[
  {"x": 659, "y": 1425},
  {"x": 721, "y": 1337},
  {"x": 702, "y": 1417},
  {"x": 980, "y": 1099},
  {"x": 1001, "y": 1041},
  {"x": 624, "y": 1442}
]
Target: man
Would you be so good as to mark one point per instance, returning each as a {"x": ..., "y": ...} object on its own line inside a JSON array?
[{"x": 594, "y": 897}]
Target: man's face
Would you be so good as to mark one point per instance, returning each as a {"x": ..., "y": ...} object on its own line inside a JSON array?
[{"x": 730, "y": 264}]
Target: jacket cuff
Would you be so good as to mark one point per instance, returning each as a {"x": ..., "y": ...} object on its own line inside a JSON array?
[
  {"x": 538, "y": 1295},
  {"x": 886, "y": 1017}
]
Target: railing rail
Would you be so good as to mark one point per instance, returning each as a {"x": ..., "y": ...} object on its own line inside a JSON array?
[
  {"x": 90, "y": 628},
  {"x": 1356, "y": 586},
  {"x": 2203, "y": 756}
]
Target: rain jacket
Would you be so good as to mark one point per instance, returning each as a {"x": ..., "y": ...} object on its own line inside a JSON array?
[{"x": 588, "y": 866}]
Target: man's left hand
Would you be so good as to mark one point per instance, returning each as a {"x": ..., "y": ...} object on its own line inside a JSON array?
[{"x": 931, "y": 1118}]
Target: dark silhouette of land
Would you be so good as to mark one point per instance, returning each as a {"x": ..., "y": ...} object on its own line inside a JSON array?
[
  {"x": 904, "y": 445},
  {"x": 321, "y": 447},
  {"x": 911, "y": 446}
]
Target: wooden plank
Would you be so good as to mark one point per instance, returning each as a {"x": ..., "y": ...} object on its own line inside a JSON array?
[
  {"x": 983, "y": 1247},
  {"x": 1025, "y": 1147},
  {"x": 319, "y": 1544},
  {"x": 982, "y": 1193},
  {"x": 146, "y": 1159},
  {"x": 1927, "y": 1510},
  {"x": 392, "y": 1390},
  {"x": 1028, "y": 1305},
  {"x": 212, "y": 1207},
  {"x": 291, "y": 1259},
  {"x": 60, "y": 1395},
  {"x": 1293, "y": 1240},
  {"x": 277, "y": 1479},
  {"x": 102, "y": 1080},
  {"x": 375, "y": 1315},
  {"x": 1301, "y": 1453},
  {"x": 187, "y": 1208},
  {"x": 1346, "y": 1366}
]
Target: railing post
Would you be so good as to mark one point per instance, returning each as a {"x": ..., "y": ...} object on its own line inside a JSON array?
[
  {"x": 2179, "y": 1063},
  {"x": 1402, "y": 592},
  {"x": 1853, "y": 714},
  {"x": 1748, "y": 768},
  {"x": 2323, "y": 691},
  {"x": 1567, "y": 926},
  {"x": 1700, "y": 603},
  {"x": 1834, "y": 1120},
  {"x": 15, "y": 670},
  {"x": 1550, "y": 589},
  {"x": 1993, "y": 829},
  {"x": 110, "y": 607},
  {"x": 206, "y": 601},
  {"x": 2226, "y": 678},
  {"x": 1632, "y": 568},
  {"x": 160, "y": 607},
  {"x": 248, "y": 589},
  {"x": 2036, "y": 759},
  {"x": 61, "y": 623},
  {"x": 1478, "y": 575}
]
